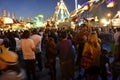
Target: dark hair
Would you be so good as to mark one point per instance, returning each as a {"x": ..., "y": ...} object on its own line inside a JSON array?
[
  {"x": 118, "y": 29},
  {"x": 63, "y": 34},
  {"x": 83, "y": 25},
  {"x": 26, "y": 34},
  {"x": 6, "y": 42},
  {"x": 34, "y": 31},
  {"x": 104, "y": 51}
]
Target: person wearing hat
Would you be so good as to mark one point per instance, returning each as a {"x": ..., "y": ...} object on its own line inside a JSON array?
[{"x": 10, "y": 70}]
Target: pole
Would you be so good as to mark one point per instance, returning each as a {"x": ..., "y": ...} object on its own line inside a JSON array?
[{"x": 76, "y": 4}]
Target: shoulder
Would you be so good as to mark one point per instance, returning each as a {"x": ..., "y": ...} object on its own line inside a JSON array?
[
  {"x": 30, "y": 40},
  {"x": 35, "y": 35}
]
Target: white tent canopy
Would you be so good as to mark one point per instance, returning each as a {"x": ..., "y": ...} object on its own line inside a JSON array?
[{"x": 7, "y": 20}]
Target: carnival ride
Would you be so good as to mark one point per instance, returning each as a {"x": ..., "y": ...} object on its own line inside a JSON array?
[
  {"x": 61, "y": 12},
  {"x": 91, "y": 6},
  {"x": 38, "y": 21},
  {"x": 87, "y": 6}
]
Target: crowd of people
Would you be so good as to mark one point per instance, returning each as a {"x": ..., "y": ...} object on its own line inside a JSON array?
[{"x": 76, "y": 50}]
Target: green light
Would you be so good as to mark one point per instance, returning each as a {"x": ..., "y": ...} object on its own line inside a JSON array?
[{"x": 96, "y": 0}]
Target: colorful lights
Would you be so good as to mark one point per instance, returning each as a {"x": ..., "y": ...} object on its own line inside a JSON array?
[{"x": 110, "y": 3}]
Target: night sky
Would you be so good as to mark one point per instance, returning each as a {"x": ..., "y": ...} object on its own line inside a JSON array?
[{"x": 31, "y": 8}]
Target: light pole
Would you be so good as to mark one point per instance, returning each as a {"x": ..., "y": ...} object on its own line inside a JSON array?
[{"x": 76, "y": 5}]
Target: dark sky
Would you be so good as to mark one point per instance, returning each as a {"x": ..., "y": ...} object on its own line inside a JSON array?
[{"x": 31, "y": 8}]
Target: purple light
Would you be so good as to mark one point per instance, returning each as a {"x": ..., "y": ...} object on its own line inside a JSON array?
[
  {"x": 85, "y": 4},
  {"x": 108, "y": 1}
]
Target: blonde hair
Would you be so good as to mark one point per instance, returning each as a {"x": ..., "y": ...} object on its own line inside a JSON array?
[
  {"x": 93, "y": 38},
  {"x": 93, "y": 42}
]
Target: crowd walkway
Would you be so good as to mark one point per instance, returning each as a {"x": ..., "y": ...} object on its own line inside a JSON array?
[{"x": 44, "y": 74}]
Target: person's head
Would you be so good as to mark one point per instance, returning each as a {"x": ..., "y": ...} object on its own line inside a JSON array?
[
  {"x": 6, "y": 42},
  {"x": 93, "y": 37},
  {"x": 7, "y": 58},
  {"x": 63, "y": 34},
  {"x": 26, "y": 34},
  {"x": 104, "y": 51},
  {"x": 34, "y": 31},
  {"x": 83, "y": 27},
  {"x": 118, "y": 29}
]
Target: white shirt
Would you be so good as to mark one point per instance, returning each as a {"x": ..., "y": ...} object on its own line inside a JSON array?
[
  {"x": 37, "y": 40},
  {"x": 17, "y": 43},
  {"x": 27, "y": 46},
  {"x": 116, "y": 35}
]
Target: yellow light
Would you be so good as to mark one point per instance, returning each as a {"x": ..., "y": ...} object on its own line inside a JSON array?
[
  {"x": 85, "y": 8},
  {"x": 109, "y": 15},
  {"x": 103, "y": 20},
  {"x": 96, "y": 18},
  {"x": 111, "y": 4},
  {"x": 79, "y": 6}
]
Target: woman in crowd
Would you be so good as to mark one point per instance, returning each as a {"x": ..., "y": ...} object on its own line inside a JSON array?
[
  {"x": 93, "y": 49},
  {"x": 51, "y": 57}
]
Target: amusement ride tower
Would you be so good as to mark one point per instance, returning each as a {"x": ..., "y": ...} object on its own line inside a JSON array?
[{"x": 61, "y": 12}]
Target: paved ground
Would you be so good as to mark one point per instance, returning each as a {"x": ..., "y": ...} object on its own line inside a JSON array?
[{"x": 45, "y": 76}]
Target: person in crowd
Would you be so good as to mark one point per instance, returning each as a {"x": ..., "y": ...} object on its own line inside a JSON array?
[
  {"x": 12, "y": 46},
  {"x": 66, "y": 57},
  {"x": 116, "y": 35},
  {"x": 54, "y": 35},
  {"x": 116, "y": 62},
  {"x": 79, "y": 40},
  {"x": 104, "y": 59},
  {"x": 92, "y": 46},
  {"x": 10, "y": 69},
  {"x": 44, "y": 40},
  {"x": 37, "y": 39},
  {"x": 28, "y": 50},
  {"x": 51, "y": 57}
]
